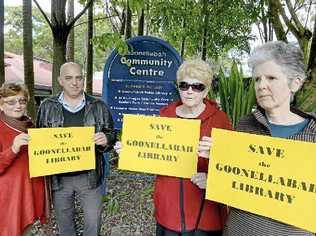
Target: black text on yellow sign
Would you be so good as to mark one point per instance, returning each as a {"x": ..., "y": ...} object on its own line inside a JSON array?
[
  {"x": 158, "y": 145},
  {"x": 272, "y": 177},
  {"x": 61, "y": 150}
]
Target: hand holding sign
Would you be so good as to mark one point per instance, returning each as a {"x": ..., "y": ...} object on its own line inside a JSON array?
[
  {"x": 118, "y": 147},
  {"x": 204, "y": 147},
  {"x": 100, "y": 138},
  {"x": 19, "y": 141},
  {"x": 199, "y": 179}
]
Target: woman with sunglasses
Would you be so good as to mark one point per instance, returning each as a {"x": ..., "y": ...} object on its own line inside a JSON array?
[
  {"x": 180, "y": 205},
  {"x": 21, "y": 198}
]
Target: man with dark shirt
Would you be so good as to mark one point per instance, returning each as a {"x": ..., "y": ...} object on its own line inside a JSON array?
[{"x": 73, "y": 108}]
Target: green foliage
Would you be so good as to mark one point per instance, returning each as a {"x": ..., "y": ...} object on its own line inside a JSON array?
[
  {"x": 111, "y": 40},
  {"x": 137, "y": 6},
  {"x": 306, "y": 98},
  {"x": 228, "y": 27},
  {"x": 236, "y": 98},
  {"x": 42, "y": 38},
  {"x": 112, "y": 201},
  {"x": 147, "y": 191},
  {"x": 112, "y": 204}
]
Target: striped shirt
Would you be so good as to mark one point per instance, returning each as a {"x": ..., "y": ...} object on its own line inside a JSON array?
[{"x": 242, "y": 223}]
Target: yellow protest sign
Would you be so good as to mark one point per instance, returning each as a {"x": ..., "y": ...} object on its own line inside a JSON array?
[
  {"x": 267, "y": 176},
  {"x": 157, "y": 145},
  {"x": 60, "y": 150}
]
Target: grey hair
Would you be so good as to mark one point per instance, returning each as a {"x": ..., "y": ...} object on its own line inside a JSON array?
[
  {"x": 67, "y": 64},
  {"x": 289, "y": 57}
]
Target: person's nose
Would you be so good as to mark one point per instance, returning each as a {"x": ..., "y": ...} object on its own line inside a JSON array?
[
  {"x": 18, "y": 104},
  {"x": 74, "y": 81},
  {"x": 190, "y": 89},
  {"x": 262, "y": 83}
]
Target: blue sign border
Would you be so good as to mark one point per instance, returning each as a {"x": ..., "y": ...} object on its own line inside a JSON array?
[
  {"x": 110, "y": 60},
  {"x": 114, "y": 53}
]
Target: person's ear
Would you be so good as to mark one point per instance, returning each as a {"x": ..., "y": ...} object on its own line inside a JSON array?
[
  {"x": 206, "y": 92},
  {"x": 295, "y": 85},
  {"x": 59, "y": 81}
]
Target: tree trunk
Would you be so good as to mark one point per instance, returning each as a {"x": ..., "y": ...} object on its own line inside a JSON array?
[
  {"x": 60, "y": 29},
  {"x": 276, "y": 22},
  {"x": 128, "y": 23},
  {"x": 60, "y": 35},
  {"x": 312, "y": 56},
  {"x": 183, "y": 28},
  {"x": 205, "y": 32},
  {"x": 122, "y": 29},
  {"x": 2, "y": 73},
  {"x": 141, "y": 22},
  {"x": 70, "y": 51},
  {"x": 89, "y": 82},
  {"x": 59, "y": 46},
  {"x": 28, "y": 55}
]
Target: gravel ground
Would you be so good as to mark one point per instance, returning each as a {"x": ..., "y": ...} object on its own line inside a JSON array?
[{"x": 127, "y": 209}]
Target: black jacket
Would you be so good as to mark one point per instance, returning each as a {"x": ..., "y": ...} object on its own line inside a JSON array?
[{"x": 97, "y": 114}]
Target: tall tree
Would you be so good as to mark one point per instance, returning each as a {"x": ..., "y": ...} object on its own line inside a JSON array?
[
  {"x": 274, "y": 15},
  {"x": 182, "y": 48},
  {"x": 128, "y": 21},
  {"x": 70, "y": 51},
  {"x": 295, "y": 23},
  {"x": 217, "y": 28},
  {"x": 2, "y": 75},
  {"x": 141, "y": 22},
  {"x": 312, "y": 56},
  {"x": 60, "y": 28},
  {"x": 28, "y": 54},
  {"x": 13, "y": 37},
  {"x": 89, "y": 82},
  {"x": 205, "y": 28}
]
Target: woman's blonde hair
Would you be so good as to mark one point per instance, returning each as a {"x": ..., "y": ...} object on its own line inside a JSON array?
[
  {"x": 12, "y": 89},
  {"x": 196, "y": 69}
]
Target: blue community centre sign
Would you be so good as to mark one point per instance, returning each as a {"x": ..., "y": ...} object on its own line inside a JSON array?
[{"x": 142, "y": 81}]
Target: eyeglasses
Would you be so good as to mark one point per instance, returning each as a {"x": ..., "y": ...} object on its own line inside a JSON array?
[
  {"x": 21, "y": 101},
  {"x": 196, "y": 87}
]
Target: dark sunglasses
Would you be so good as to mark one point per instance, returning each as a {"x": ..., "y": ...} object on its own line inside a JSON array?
[{"x": 196, "y": 87}]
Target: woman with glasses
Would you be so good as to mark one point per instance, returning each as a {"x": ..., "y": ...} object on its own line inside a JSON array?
[
  {"x": 21, "y": 198},
  {"x": 180, "y": 205}
]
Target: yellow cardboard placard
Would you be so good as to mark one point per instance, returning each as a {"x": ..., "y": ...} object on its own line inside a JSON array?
[
  {"x": 158, "y": 145},
  {"x": 60, "y": 150},
  {"x": 272, "y": 177}
]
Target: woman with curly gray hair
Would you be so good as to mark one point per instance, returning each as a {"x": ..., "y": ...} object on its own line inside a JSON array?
[{"x": 279, "y": 72}]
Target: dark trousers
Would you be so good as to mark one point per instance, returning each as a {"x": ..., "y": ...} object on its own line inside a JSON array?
[
  {"x": 162, "y": 231},
  {"x": 90, "y": 200}
]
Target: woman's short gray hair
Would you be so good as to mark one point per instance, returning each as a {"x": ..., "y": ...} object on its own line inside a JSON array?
[{"x": 289, "y": 57}]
